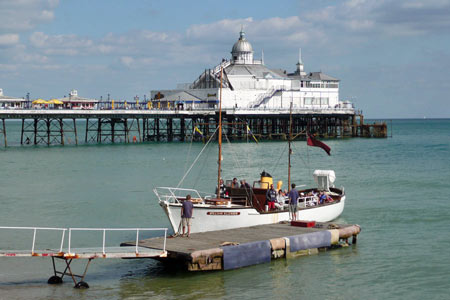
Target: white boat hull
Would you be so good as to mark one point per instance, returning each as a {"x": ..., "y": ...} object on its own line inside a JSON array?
[{"x": 211, "y": 218}]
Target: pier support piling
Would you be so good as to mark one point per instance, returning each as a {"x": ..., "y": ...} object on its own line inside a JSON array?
[{"x": 3, "y": 130}]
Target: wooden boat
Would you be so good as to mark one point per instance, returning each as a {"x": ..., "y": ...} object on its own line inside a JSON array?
[{"x": 243, "y": 207}]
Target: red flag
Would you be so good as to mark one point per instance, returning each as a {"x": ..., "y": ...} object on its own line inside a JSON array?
[{"x": 316, "y": 143}]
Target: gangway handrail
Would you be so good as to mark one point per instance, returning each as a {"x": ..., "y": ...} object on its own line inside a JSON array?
[
  {"x": 117, "y": 229},
  {"x": 63, "y": 230},
  {"x": 34, "y": 234}
]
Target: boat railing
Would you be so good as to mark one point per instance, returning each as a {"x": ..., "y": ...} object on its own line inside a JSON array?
[{"x": 173, "y": 195}]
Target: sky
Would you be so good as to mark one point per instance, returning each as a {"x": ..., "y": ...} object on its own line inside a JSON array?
[{"x": 392, "y": 56}]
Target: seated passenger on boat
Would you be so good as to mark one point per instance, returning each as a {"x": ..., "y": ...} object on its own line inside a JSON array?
[
  {"x": 322, "y": 197},
  {"x": 329, "y": 199},
  {"x": 245, "y": 185},
  {"x": 281, "y": 199},
  {"x": 234, "y": 183}
]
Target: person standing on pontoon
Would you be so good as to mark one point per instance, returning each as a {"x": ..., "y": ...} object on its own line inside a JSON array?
[
  {"x": 186, "y": 215},
  {"x": 293, "y": 201}
]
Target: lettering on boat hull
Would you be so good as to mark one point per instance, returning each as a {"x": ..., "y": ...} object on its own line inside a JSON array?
[{"x": 223, "y": 213}]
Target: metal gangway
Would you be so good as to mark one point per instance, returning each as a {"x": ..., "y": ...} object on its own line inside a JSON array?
[{"x": 67, "y": 253}]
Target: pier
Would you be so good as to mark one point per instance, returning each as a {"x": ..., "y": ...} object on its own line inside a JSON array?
[
  {"x": 246, "y": 246},
  {"x": 62, "y": 126}
]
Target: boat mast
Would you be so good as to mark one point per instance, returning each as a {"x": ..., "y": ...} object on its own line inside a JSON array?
[
  {"x": 290, "y": 150},
  {"x": 220, "y": 135}
]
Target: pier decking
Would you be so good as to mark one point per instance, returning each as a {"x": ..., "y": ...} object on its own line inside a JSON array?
[
  {"x": 59, "y": 126},
  {"x": 234, "y": 248}
]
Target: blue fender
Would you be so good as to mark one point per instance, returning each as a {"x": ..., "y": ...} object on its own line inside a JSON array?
[{"x": 246, "y": 254}]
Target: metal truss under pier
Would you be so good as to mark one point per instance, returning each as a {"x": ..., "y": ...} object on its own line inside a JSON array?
[{"x": 59, "y": 127}]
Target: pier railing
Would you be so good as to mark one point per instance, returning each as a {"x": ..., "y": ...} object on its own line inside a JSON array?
[{"x": 143, "y": 108}]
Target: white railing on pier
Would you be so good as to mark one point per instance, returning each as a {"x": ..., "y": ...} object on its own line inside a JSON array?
[
  {"x": 155, "y": 111},
  {"x": 303, "y": 110}
]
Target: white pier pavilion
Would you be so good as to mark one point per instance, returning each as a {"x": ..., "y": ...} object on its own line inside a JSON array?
[{"x": 249, "y": 84}]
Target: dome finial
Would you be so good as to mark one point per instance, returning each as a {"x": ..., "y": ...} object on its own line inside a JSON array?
[
  {"x": 300, "y": 56},
  {"x": 242, "y": 33},
  {"x": 300, "y": 68}
]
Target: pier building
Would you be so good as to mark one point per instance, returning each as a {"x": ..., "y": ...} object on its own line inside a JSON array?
[
  {"x": 248, "y": 83},
  {"x": 73, "y": 101},
  {"x": 7, "y": 102}
]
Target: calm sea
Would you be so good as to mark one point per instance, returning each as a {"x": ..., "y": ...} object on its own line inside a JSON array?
[{"x": 396, "y": 190}]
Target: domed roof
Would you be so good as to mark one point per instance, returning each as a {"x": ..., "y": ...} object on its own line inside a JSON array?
[{"x": 242, "y": 45}]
